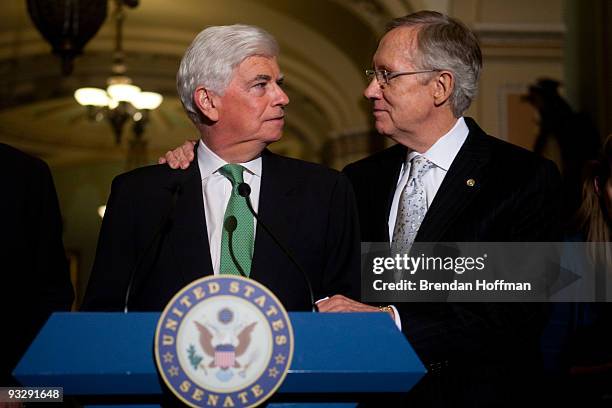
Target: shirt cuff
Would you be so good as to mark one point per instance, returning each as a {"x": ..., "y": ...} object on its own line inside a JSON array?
[{"x": 396, "y": 317}]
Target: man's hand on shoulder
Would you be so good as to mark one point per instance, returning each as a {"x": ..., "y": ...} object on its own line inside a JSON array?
[
  {"x": 181, "y": 157},
  {"x": 339, "y": 303}
]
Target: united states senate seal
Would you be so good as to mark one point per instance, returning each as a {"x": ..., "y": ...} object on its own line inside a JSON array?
[{"x": 224, "y": 341}]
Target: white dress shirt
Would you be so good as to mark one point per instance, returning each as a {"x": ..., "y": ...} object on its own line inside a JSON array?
[
  {"x": 217, "y": 189},
  {"x": 441, "y": 154}
]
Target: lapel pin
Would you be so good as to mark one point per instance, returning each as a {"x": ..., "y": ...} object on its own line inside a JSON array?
[{"x": 470, "y": 182}]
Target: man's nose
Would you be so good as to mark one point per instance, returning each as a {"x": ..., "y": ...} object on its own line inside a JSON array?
[
  {"x": 373, "y": 90},
  {"x": 281, "y": 97}
]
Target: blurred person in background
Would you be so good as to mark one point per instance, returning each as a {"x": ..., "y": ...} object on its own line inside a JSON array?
[
  {"x": 590, "y": 350},
  {"x": 594, "y": 217},
  {"x": 35, "y": 277},
  {"x": 567, "y": 137}
]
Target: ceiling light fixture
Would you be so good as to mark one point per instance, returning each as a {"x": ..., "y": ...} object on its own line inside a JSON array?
[{"x": 122, "y": 101}]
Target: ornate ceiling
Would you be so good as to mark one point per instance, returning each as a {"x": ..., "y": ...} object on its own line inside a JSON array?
[{"x": 325, "y": 45}]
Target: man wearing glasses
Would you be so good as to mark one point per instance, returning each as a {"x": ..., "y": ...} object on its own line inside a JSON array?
[{"x": 447, "y": 181}]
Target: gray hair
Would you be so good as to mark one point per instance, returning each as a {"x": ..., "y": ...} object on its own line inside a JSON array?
[
  {"x": 445, "y": 43},
  {"x": 212, "y": 56}
]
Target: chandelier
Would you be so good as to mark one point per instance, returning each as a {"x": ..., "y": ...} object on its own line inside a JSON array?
[{"x": 122, "y": 101}]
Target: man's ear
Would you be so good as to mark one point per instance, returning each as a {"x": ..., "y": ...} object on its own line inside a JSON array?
[
  {"x": 206, "y": 102},
  {"x": 443, "y": 87}
]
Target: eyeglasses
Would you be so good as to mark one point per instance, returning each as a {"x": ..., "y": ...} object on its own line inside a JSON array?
[{"x": 383, "y": 76}]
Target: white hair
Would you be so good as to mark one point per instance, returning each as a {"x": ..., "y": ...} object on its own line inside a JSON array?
[{"x": 212, "y": 57}]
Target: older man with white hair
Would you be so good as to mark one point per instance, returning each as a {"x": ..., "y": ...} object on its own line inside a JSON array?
[
  {"x": 163, "y": 228},
  {"x": 446, "y": 180}
]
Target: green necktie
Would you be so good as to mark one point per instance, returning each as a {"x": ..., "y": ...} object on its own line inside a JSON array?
[{"x": 242, "y": 237}]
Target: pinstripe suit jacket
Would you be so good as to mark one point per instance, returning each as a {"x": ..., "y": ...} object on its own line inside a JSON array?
[{"x": 515, "y": 198}]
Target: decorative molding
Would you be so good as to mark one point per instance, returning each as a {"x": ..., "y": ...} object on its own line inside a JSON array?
[
  {"x": 517, "y": 40},
  {"x": 519, "y": 33}
]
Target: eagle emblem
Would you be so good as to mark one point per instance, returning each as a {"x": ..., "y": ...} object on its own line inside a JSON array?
[
  {"x": 224, "y": 338},
  {"x": 226, "y": 345}
]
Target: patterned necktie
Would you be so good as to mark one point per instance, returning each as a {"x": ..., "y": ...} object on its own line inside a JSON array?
[
  {"x": 242, "y": 236},
  {"x": 412, "y": 206}
]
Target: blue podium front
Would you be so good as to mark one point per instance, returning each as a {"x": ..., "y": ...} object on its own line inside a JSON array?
[{"x": 111, "y": 354}]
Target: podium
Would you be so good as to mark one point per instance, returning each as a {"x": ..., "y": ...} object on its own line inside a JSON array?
[{"x": 337, "y": 357}]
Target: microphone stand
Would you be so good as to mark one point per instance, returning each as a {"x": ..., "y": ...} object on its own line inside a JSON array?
[
  {"x": 245, "y": 191},
  {"x": 230, "y": 225},
  {"x": 159, "y": 233}
]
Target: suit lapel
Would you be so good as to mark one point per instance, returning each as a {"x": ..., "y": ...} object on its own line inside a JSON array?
[
  {"x": 189, "y": 235},
  {"x": 454, "y": 194},
  {"x": 277, "y": 205},
  {"x": 383, "y": 189}
]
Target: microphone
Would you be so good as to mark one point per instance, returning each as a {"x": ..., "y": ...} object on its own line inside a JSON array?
[
  {"x": 245, "y": 191},
  {"x": 230, "y": 225},
  {"x": 160, "y": 232}
]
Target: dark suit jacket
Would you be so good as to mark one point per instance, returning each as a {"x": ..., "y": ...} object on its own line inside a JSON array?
[
  {"x": 515, "y": 198},
  {"x": 32, "y": 258},
  {"x": 309, "y": 208}
]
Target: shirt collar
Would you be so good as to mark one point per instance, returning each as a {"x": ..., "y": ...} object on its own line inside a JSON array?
[
  {"x": 444, "y": 151},
  {"x": 209, "y": 163}
]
